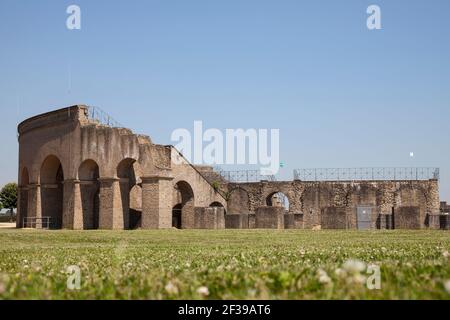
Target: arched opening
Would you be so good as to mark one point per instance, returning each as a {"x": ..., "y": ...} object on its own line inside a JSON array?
[
  {"x": 278, "y": 199},
  {"x": 88, "y": 174},
  {"x": 135, "y": 207},
  {"x": 176, "y": 216},
  {"x": 217, "y": 204},
  {"x": 185, "y": 196},
  {"x": 239, "y": 201},
  {"x": 52, "y": 191},
  {"x": 128, "y": 171},
  {"x": 24, "y": 184}
]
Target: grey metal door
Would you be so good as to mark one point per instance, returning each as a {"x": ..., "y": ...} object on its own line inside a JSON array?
[{"x": 364, "y": 215}]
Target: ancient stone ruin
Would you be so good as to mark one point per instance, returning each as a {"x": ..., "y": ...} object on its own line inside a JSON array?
[{"x": 80, "y": 171}]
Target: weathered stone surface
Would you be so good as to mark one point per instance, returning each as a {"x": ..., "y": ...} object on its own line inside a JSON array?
[
  {"x": 210, "y": 218},
  {"x": 334, "y": 218},
  {"x": 293, "y": 221},
  {"x": 270, "y": 218},
  {"x": 407, "y": 218},
  {"x": 237, "y": 221}
]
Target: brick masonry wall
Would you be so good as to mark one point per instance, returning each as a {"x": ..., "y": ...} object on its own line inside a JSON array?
[{"x": 270, "y": 218}]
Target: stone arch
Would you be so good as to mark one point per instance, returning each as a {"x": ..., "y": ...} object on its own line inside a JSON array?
[
  {"x": 187, "y": 200},
  {"x": 278, "y": 199},
  {"x": 88, "y": 174},
  {"x": 239, "y": 201},
  {"x": 52, "y": 190},
  {"x": 23, "y": 196},
  {"x": 128, "y": 172}
]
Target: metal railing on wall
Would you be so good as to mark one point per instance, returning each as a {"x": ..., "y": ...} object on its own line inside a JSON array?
[
  {"x": 366, "y": 174},
  {"x": 102, "y": 117},
  {"x": 245, "y": 176}
]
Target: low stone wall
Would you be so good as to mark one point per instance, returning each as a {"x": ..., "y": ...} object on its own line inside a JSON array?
[
  {"x": 333, "y": 218},
  {"x": 293, "y": 221},
  {"x": 210, "y": 218},
  {"x": 407, "y": 218},
  {"x": 236, "y": 221},
  {"x": 270, "y": 218}
]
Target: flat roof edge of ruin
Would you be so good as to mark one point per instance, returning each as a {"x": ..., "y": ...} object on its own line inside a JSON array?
[{"x": 59, "y": 115}]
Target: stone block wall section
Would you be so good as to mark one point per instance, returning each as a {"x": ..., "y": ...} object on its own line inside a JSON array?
[
  {"x": 270, "y": 218},
  {"x": 210, "y": 218}
]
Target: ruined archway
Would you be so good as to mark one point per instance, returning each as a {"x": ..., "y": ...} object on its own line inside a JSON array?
[
  {"x": 52, "y": 191},
  {"x": 128, "y": 173},
  {"x": 278, "y": 199},
  {"x": 23, "y": 204},
  {"x": 88, "y": 174},
  {"x": 186, "y": 195}
]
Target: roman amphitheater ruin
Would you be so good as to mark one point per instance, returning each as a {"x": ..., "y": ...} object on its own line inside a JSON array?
[{"x": 79, "y": 172}]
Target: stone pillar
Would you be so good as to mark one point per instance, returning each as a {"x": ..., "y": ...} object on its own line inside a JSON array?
[
  {"x": 157, "y": 202},
  {"x": 72, "y": 209},
  {"x": 110, "y": 211},
  {"x": 34, "y": 203},
  {"x": 22, "y": 205},
  {"x": 124, "y": 185}
]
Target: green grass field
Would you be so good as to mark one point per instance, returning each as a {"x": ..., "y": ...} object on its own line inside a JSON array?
[{"x": 229, "y": 264}]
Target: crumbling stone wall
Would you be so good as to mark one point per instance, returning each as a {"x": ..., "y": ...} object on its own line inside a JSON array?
[{"x": 317, "y": 202}]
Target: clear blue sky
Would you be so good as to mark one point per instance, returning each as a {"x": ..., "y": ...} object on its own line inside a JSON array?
[{"x": 341, "y": 95}]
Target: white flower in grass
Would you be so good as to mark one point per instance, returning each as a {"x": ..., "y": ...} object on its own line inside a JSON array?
[
  {"x": 446, "y": 254},
  {"x": 354, "y": 266},
  {"x": 203, "y": 291},
  {"x": 447, "y": 286},
  {"x": 323, "y": 276},
  {"x": 171, "y": 289}
]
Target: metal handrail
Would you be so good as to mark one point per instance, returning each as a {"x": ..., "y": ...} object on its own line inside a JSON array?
[
  {"x": 245, "y": 176},
  {"x": 102, "y": 117},
  {"x": 366, "y": 174},
  {"x": 34, "y": 223}
]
